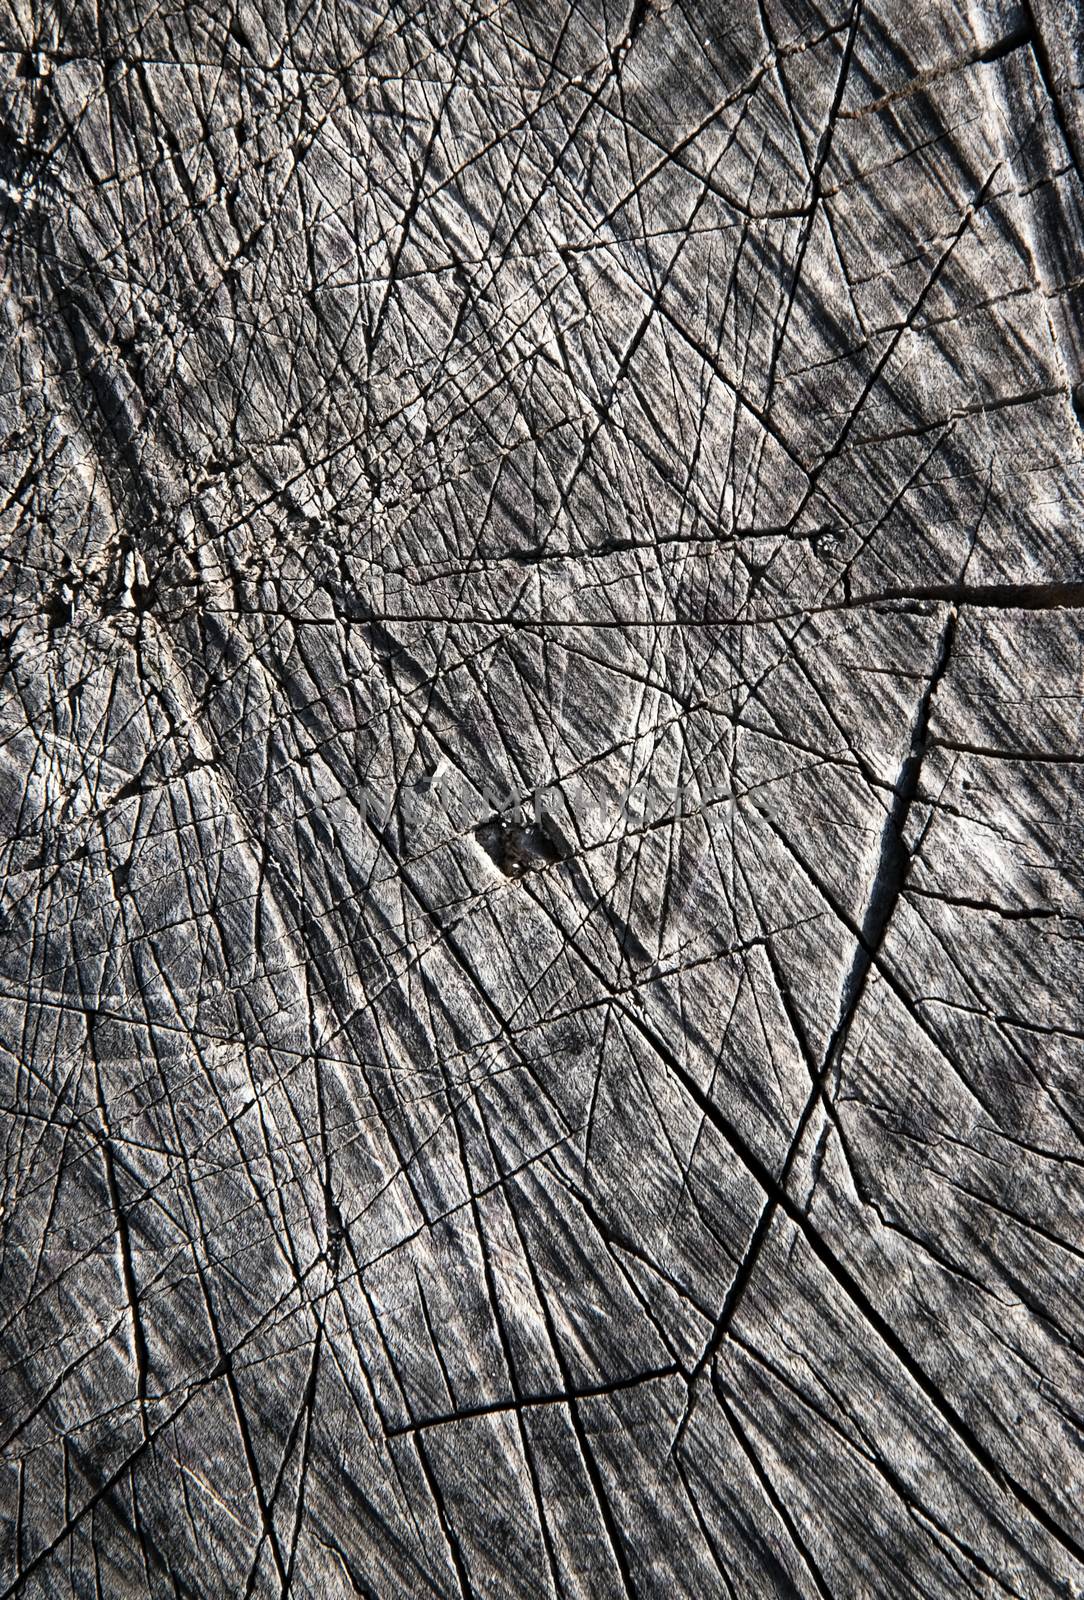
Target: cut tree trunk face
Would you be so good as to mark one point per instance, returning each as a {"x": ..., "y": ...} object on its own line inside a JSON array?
[{"x": 542, "y": 824}]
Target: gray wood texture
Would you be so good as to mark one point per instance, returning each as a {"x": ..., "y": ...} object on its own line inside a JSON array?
[{"x": 541, "y": 816}]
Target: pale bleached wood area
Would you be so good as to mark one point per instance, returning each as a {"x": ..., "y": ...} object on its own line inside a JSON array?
[{"x": 541, "y": 811}]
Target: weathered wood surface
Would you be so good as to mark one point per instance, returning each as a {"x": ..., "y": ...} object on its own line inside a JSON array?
[{"x": 680, "y": 1195}]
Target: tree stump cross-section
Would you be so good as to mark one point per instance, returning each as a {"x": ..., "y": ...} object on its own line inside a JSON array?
[{"x": 541, "y": 812}]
